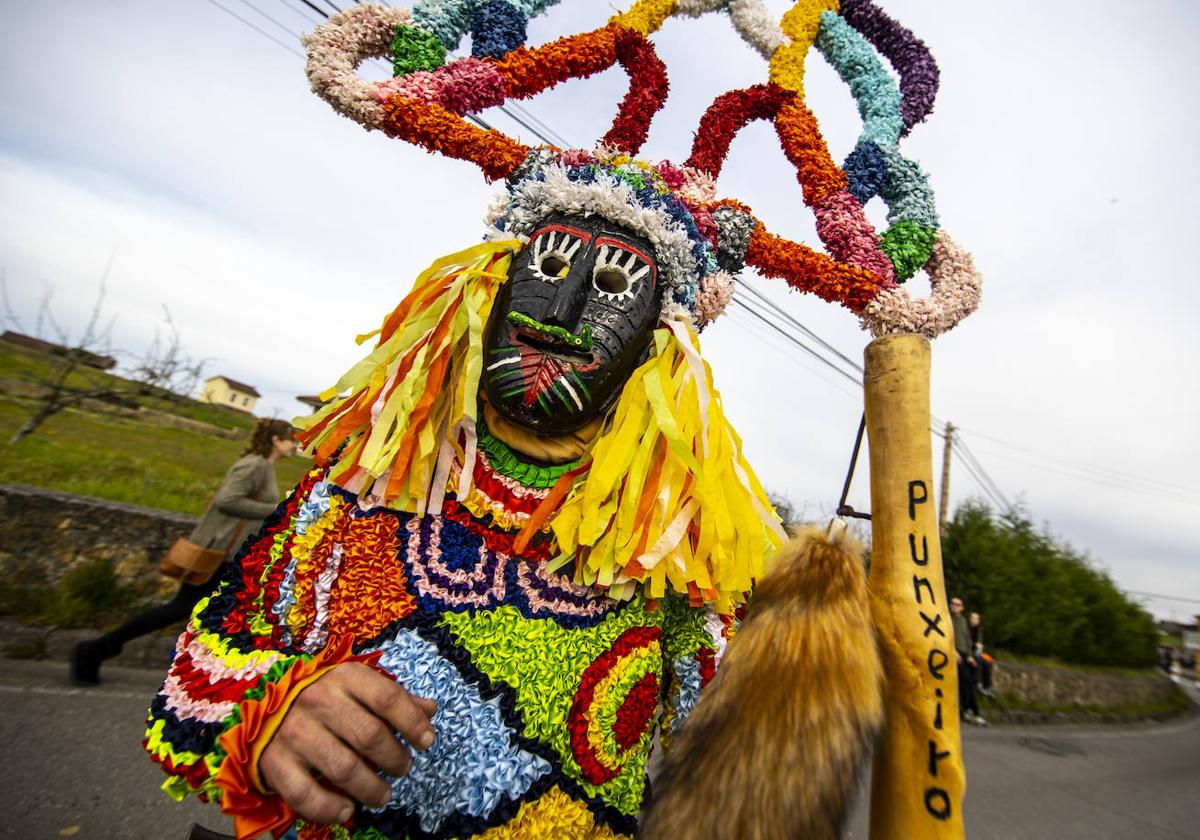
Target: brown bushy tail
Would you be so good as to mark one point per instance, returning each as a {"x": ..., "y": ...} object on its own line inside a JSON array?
[{"x": 774, "y": 746}]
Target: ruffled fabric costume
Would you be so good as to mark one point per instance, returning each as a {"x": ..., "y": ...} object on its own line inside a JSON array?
[{"x": 548, "y": 693}]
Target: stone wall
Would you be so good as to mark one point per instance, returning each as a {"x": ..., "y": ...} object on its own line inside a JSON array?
[
  {"x": 1028, "y": 693},
  {"x": 44, "y": 534}
]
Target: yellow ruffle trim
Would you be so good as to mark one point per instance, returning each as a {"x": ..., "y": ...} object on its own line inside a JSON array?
[{"x": 305, "y": 575}]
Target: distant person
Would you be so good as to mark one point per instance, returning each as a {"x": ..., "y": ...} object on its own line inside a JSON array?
[
  {"x": 983, "y": 661},
  {"x": 968, "y": 707},
  {"x": 1166, "y": 658},
  {"x": 247, "y": 494}
]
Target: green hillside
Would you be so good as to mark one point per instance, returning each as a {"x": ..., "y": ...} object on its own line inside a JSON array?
[{"x": 120, "y": 458}]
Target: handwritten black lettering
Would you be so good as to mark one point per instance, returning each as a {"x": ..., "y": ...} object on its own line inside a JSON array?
[
  {"x": 933, "y": 624},
  {"x": 923, "y": 560},
  {"x": 918, "y": 582},
  {"x": 935, "y": 756},
  {"x": 937, "y": 803},
  {"x": 942, "y": 661},
  {"x": 914, "y": 499}
]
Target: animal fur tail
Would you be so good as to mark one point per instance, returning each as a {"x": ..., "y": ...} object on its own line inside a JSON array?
[{"x": 774, "y": 746}]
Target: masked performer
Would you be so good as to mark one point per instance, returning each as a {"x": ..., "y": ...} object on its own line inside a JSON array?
[{"x": 531, "y": 529}]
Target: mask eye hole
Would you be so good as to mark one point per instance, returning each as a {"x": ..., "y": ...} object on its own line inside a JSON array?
[
  {"x": 617, "y": 272},
  {"x": 612, "y": 281},
  {"x": 553, "y": 249},
  {"x": 554, "y": 266}
]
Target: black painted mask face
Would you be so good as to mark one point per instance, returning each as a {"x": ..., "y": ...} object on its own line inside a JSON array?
[{"x": 571, "y": 324}]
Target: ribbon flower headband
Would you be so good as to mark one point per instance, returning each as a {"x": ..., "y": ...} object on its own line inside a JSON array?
[{"x": 701, "y": 239}]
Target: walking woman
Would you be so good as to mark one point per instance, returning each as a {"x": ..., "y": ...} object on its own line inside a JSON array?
[{"x": 247, "y": 494}]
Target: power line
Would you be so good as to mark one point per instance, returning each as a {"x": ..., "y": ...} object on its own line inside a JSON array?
[
  {"x": 1163, "y": 597},
  {"x": 736, "y": 317},
  {"x": 1101, "y": 472},
  {"x": 525, "y": 112},
  {"x": 855, "y": 366},
  {"x": 977, "y": 472},
  {"x": 260, "y": 12},
  {"x": 1100, "y": 481},
  {"x": 257, "y": 28},
  {"x": 300, "y": 12},
  {"x": 316, "y": 9},
  {"x": 794, "y": 340},
  {"x": 967, "y": 457}
]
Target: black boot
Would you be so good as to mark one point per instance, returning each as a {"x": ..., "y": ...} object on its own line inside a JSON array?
[{"x": 86, "y": 658}]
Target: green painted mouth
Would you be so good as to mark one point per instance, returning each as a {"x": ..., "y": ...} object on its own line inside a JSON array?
[{"x": 582, "y": 342}]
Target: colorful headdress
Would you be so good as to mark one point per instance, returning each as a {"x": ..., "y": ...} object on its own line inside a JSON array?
[
  {"x": 664, "y": 497},
  {"x": 702, "y": 239}
]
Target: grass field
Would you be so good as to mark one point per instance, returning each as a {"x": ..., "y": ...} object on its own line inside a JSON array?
[{"x": 122, "y": 459}]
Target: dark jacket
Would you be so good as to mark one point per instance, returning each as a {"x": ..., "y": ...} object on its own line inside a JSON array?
[
  {"x": 248, "y": 493},
  {"x": 962, "y": 635}
]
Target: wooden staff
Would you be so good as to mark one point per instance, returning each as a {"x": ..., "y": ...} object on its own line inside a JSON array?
[{"x": 918, "y": 779}]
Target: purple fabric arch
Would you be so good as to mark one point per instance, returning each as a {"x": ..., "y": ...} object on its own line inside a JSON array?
[{"x": 906, "y": 53}]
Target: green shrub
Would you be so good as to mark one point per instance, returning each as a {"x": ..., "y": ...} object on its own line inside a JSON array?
[
  {"x": 90, "y": 595},
  {"x": 1040, "y": 596}
]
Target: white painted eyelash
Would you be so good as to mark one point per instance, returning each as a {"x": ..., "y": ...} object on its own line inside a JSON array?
[
  {"x": 609, "y": 257},
  {"x": 545, "y": 246}
]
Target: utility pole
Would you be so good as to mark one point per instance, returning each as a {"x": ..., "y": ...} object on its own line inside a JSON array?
[{"x": 944, "y": 502}]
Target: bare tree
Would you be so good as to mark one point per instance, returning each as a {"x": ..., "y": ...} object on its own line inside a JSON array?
[
  {"x": 165, "y": 367},
  {"x": 163, "y": 370}
]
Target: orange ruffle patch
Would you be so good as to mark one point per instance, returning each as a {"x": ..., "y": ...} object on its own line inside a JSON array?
[
  {"x": 243, "y": 795},
  {"x": 371, "y": 588}
]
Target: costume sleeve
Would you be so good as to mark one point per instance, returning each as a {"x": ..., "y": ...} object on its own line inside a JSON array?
[
  {"x": 694, "y": 641},
  {"x": 236, "y": 670},
  {"x": 236, "y": 494}
]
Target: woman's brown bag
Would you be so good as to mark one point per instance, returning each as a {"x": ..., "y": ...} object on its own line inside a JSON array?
[
  {"x": 190, "y": 563},
  {"x": 193, "y": 564},
  {"x": 187, "y": 562}
]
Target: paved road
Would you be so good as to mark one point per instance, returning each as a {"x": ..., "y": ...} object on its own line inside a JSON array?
[
  {"x": 73, "y": 767},
  {"x": 1080, "y": 783}
]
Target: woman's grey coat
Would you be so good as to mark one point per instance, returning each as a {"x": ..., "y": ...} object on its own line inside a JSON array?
[{"x": 247, "y": 494}]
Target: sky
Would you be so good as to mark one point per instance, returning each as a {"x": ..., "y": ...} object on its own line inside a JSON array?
[{"x": 185, "y": 148}]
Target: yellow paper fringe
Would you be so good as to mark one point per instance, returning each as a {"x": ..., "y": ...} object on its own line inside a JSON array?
[
  {"x": 406, "y": 404},
  {"x": 668, "y": 499}
]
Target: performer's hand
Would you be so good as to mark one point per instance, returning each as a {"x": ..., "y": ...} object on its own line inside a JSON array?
[
  {"x": 958, "y": 657},
  {"x": 340, "y": 728}
]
